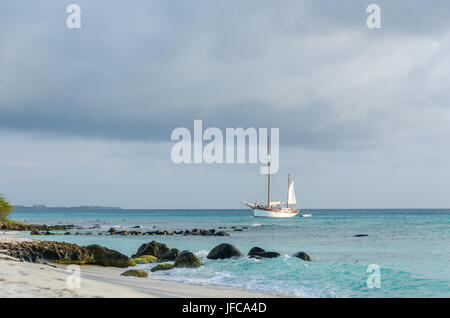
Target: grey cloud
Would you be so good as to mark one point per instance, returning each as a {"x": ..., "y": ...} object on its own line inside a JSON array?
[{"x": 308, "y": 67}]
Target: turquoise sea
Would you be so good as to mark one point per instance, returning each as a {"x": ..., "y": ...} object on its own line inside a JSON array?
[{"x": 411, "y": 247}]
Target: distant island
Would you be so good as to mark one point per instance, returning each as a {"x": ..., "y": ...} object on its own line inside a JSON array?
[{"x": 81, "y": 207}]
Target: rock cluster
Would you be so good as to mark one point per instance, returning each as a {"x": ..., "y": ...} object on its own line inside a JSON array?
[
  {"x": 65, "y": 253},
  {"x": 46, "y": 251},
  {"x": 225, "y": 250},
  {"x": 17, "y": 226},
  {"x": 199, "y": 232},
  {"x": 162, "y": 253}
]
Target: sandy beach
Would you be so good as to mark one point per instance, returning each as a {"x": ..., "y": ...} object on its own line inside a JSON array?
[{"x": 22, "y": 279}]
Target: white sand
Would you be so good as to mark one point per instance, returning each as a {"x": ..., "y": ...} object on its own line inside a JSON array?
[{"x": 22, "y": 279}]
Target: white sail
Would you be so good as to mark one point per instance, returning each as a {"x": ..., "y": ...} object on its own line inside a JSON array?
[{"x": 291, "y": 194}]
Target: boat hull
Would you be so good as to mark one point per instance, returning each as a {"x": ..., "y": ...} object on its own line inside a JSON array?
[{"x": 273, "y": 214}]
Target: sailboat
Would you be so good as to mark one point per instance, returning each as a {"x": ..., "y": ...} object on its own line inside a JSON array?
[{"x": 276, "y": 209}]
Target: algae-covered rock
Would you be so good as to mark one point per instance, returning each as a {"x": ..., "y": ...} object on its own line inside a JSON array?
[
  {"x": 187, "y": 259},
  {"x": 106, "y": 257},
  {"x": 135, "y": 273},
  {"x": 162, "y": 267},
  {"x": 145, "y": 259}
]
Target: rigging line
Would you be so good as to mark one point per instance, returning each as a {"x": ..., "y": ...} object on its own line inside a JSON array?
[{"x": 254, "y": 192}]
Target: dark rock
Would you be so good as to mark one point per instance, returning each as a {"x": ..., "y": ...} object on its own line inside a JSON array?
[
  {"x": 153, "y": 248},
  {"x": 137, "y": 227},
  {"x": 170, "y": 255},
  {"x": 266, "y": 255},
  {"x": 221, "y": 233},
  {"x": 258, "y": 252},
  {"x": 35, "y": 232},
  {"x": 135, "y": 273},
  {"x": 112, "y": 231},
  {"x": 187, "y": 259},
  {"x": 255, "y": 250},
  {"x": 303, "y": 256},
  {"x": 106, "y": 257},
  {"x": 224, "y": 250}
]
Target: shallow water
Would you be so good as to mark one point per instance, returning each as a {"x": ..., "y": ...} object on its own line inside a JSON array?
[{"x": 412, "y": 248}]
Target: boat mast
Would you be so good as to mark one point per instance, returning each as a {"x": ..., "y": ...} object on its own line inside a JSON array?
[
  {"x": 287, "y": 201},
  {"x": 268, "y": 175}
]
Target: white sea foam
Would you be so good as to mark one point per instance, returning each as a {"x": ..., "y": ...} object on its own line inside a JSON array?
[{"x": 201, "y": 253}]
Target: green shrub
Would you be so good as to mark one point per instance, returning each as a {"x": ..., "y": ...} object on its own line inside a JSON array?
[{"x": 5, "y": 208}]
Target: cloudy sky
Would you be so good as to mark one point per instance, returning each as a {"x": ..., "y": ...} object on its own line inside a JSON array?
[{"x": 86, "y": 114}]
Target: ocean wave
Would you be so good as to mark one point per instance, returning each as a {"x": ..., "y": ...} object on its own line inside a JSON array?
[{"x": 282, "y": 276}]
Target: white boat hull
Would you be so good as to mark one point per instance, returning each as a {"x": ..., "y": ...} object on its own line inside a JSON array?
[{"x": 273, "y": 214}]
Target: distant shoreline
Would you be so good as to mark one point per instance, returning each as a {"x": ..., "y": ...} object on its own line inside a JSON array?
[{"x": 82, "y": 207}]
